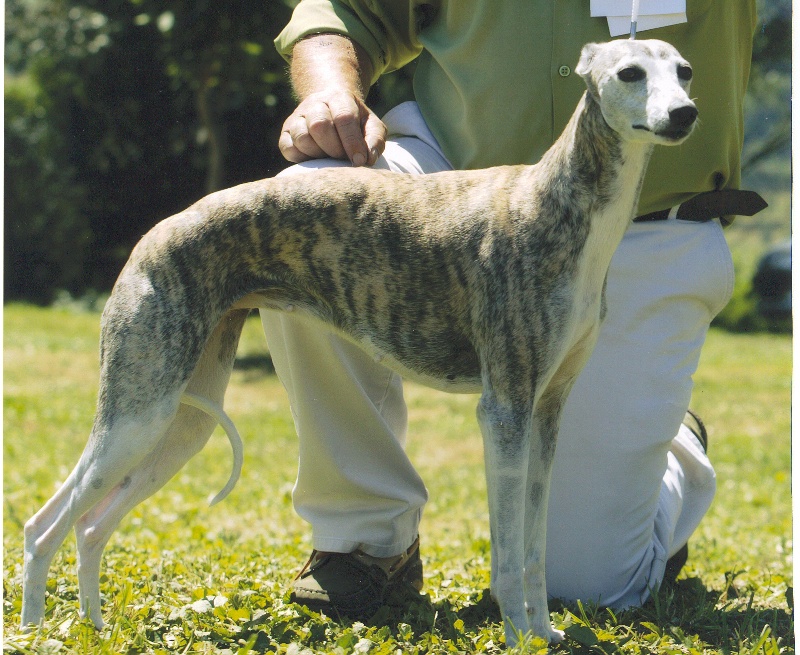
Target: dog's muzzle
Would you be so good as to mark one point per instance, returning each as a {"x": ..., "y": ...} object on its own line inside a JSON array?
[{"x": 680, "y": 123}]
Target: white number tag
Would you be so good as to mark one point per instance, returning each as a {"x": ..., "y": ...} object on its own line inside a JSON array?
[{"x": 652, "y": 14}]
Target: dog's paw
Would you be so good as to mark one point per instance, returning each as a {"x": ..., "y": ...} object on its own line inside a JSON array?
[{"x": 547, "y": 632}]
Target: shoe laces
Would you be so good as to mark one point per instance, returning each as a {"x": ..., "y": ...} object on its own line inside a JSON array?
[{"x": 389, "y": 565}]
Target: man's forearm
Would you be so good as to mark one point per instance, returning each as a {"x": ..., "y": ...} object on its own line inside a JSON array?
[
  {"x": 326, "y": 61},
  {"x": 331, "y": 76}
]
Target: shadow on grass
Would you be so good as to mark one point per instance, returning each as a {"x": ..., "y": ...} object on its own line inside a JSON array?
[
  {"x": 679, "y": 617},
  {"x": 682, "y": 614},
  {"x": 406, "y": 614},
  {"x": 723, "y": 620},
  {"x": 690, "y": 615}
]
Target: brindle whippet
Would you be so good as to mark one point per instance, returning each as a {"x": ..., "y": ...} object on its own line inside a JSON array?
[{"x": 488, "y": 281}]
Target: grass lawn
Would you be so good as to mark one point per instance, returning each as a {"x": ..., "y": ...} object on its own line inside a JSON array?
[{"x": 182, "y": 578}]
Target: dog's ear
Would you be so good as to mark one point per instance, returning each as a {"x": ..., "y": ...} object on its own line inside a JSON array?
[{"x": 588, "y": 53}]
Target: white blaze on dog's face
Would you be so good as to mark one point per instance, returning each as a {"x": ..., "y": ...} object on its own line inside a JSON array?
[{"x": 642, "y": 88}]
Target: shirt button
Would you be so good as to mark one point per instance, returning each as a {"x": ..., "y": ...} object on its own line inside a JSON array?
[{"x": 564, "y": 71}]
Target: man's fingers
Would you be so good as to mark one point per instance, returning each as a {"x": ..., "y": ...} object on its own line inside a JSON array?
[
  {"x": 313, "y": 134},
  {"x": 346, "y": 112},
  {"x": 322, "y": 129},
  {"x": 374, "y": 136},
  {"x": 288, "y": 149},
  {"x": 337, "y": 125}
]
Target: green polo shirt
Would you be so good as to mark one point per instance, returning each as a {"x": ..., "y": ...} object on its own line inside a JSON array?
[{"x": 495, "y": 79}]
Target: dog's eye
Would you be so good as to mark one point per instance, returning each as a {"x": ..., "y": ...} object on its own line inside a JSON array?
[
  {"x": 684, "y": 73},
  {"x": 631, "y": 74}
]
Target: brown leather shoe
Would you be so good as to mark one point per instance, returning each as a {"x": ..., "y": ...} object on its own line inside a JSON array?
[{"x": 354, "y": 584}]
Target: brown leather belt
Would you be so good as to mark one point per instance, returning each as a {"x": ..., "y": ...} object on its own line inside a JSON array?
[{"x": 711, "y": 204}]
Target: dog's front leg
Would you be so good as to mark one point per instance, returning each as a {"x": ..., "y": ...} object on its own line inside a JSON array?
[
  {"x": 545, "y": 424},
  {"x": 506, "y": 433},
  {"x": 544, "y": 431}
]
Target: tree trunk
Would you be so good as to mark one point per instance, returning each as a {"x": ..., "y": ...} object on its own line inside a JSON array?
[{"x": 208, "y": 109}]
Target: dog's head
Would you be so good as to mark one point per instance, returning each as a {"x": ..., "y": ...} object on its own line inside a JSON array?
[{"x": 642, "y": 88}]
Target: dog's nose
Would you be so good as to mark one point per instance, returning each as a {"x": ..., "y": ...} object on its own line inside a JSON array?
[{"x": 683, "y": 117}]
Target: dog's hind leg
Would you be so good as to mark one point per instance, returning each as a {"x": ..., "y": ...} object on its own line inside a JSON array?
[
  {"x": 120, "y": 449},
  {"x": 103, "y": 464},
  {"x": 186, "y": 436},
  {"x": 43, "y": 536}
]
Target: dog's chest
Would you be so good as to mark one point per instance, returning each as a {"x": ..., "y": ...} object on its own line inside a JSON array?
[{"x": 590, "y": 276}]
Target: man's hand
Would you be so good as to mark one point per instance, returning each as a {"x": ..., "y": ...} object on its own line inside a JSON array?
[
  {"x": 333, "y": 123},
  {"x": 329, "y": 73}
]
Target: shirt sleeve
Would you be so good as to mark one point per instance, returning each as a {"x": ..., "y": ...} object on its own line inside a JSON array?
[{"x": 387, "y": 31}]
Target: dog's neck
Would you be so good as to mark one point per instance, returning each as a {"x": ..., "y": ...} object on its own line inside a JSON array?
[
  {"x": 598, "y": 168},
  {"x": 589, "y": 183},
  {"x": 591, "y": 179}
]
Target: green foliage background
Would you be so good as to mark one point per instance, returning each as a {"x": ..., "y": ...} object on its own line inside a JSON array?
[{"x": 122, "y": 112}]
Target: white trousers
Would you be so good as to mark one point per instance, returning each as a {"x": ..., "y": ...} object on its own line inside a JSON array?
[{"x": 627, "y": 492}]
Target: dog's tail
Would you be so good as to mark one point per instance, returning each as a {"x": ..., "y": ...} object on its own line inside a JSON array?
[{"x": 215, "y": 411}]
